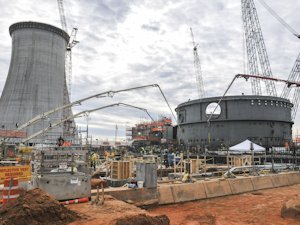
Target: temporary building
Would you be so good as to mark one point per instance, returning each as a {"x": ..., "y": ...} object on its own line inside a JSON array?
[{"x": 245, "y": 147}]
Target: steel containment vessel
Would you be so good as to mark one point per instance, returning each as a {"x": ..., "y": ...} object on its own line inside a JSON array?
[
  {"x": 36, "y": 79},
  {"x": 263, "y": 119}
]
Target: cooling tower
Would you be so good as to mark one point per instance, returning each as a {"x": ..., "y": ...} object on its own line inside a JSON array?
[{"x": 36, "y": 79}]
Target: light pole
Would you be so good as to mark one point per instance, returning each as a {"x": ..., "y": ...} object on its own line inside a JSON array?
[
  {"x": 252, "y": 153},
  {"x": 43, "y": 137},
  {"x": 87, "y": 129}
]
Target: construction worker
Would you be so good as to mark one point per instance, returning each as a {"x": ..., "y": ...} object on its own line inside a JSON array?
[
  {"x": 94, "y": 159},
  {"x": 186, "y": 177}
]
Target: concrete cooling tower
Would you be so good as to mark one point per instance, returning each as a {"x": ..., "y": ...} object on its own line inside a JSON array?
[{"x": 36, "y": 79}]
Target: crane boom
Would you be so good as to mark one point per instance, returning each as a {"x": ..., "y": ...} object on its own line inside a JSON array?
[
  {"x": 63, "y": 20},
  {"x": 256, "y": 49},
  {"x": 62, "y": 15},
  {"x": 198, "y": 71}
]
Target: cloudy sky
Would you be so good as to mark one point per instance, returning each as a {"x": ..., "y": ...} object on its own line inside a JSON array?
[{"x": 127, "y": 43}]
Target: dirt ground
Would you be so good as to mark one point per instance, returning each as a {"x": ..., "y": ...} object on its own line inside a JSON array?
[
  {"x": 261, "y": 207},
  {"x": 105, "y": 214}
]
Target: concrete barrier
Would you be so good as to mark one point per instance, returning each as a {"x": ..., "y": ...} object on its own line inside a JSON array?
[
  {"x": 280, "y": 180},
  {"x": 262, "y": 182},
  {"x": 175, "y": 193},
  {"x": 241, "y": 185},
  {"x": 136, "y": 195},
  {"x": 294, "y": 178},
  {"x": 217, "y": 188},
  {"x": 165, "y": 195},
  {"x": 188, "y": 192}
]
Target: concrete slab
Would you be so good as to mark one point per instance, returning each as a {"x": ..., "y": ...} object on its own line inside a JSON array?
[
  {"x": 262, "y": 182},
  {"x": 240, "y": 185},
  {"x": 217, "y": 188}
]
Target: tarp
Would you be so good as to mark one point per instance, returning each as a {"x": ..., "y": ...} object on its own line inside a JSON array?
[{"x": 245, "y": 146}]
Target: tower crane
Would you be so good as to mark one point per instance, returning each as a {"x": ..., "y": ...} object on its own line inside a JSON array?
[
  {"x": 68, "y": 66},
  {"x": 256, "y": 49},
  {"x": 68, "y": 54},
  {"x": 197, "y": 66}
]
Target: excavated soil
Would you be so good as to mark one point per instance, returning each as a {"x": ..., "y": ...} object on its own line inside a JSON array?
[
  {"x": 115, "y": 212},
  {"x": 35, "y": 207},
  {"x": 262, "y": 207}
]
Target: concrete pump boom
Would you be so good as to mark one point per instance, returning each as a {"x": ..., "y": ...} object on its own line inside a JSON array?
[
  {"x": 99, "y": 95},
  {"x": 79, "y": 114},
  {"x": 247, "y": 76}
]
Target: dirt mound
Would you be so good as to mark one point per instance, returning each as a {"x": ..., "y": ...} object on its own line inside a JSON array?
[
  {"x": 142, "y": 219},
  {"x": 291, "y": 208},
  {"x": 36, "y": 207}
]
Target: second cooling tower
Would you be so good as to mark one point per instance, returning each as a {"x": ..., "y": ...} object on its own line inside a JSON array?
[{"x": 36, "y": 77}]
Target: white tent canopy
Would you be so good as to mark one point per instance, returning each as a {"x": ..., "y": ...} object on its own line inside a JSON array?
[{"x": 245, "y": 146}]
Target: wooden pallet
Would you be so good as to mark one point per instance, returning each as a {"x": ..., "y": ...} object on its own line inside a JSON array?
[{"x": 121, "y": 169}]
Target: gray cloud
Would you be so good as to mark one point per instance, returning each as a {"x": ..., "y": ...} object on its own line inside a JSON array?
[{"x": 153, "y": 26}]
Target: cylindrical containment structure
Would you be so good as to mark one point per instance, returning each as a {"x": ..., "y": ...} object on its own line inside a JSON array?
[
  {"x": 264, "y": 120},
  {"x": 36, "y": 79}
]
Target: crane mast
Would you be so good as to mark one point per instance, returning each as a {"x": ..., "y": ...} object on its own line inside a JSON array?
[
  {"x": 294, "y": 76},
  {"x": 197, "y": 66},
  {"x": 68, "y": 125},
  {"x": 256, "y": 50},
  {"x": 63, "y": 20},
  {"x": 68, "y": 54}
]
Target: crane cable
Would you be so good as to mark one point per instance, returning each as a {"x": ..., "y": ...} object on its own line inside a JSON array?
[{"x": 279, "y": 19}]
